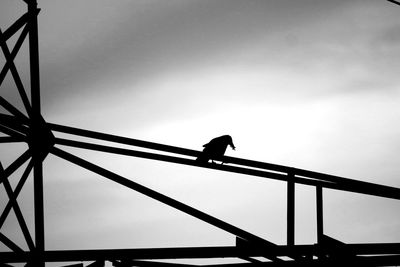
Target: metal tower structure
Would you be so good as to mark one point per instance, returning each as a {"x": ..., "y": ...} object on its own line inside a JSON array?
[{"x": 42, "y": 138}]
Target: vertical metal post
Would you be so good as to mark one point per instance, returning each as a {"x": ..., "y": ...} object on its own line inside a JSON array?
[
  {"x": 36, "y": 122},
  {"x": 320, "y": 214},
  {"x": 291, "y": 210},
  {"x": 34, "y": 56}
]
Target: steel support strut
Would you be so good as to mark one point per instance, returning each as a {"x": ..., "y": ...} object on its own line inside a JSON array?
[
  {"x": 290, "y": 236},
  {"x": 36, "y": 125}
]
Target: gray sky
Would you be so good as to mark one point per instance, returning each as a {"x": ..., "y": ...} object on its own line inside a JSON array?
[{"x": 305, "y": 83}]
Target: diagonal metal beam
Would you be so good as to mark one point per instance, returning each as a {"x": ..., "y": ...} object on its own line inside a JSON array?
[
  {"x": 166, "y": 200},
  {"x": 14, "y": 166},
  {"x": 12, "y": 123},
  {"x": 14, "y": 72},
  {"x": 165, "y": 148},
  {"x": 279, "y": 172},
  {"x": 11, "y": 132},
  {"x": 17, "y": 190},
  {"x": 395, "y": 2},
  {"x": 14, "y": 53},
  {"x": 179, "y": 160},
  {"x": 8, "y": 118},
  {"x": 355, "y": 187},
  {"x": 122, "y": 140},
  {"x": 10, "y": 244},
  {"x": 17, "y": 211},
  {"x": 15, "y": 27},
  {"x": 9, "y": 139},
  {"x": 10, "y": 108}
]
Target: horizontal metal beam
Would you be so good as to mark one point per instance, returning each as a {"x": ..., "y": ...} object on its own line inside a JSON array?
[
  {"x": 371, "y": 261},
  {"x": 136, "y": 263},
  {"x": 117, "y": 254},
  {"x": 371, "y": 249}
]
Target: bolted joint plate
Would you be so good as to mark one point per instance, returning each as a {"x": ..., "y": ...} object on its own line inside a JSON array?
[{"x": 40, "y": 139}]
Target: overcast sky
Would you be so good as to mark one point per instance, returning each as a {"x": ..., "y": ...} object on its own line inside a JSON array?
[{"x": 309, "y": 84}]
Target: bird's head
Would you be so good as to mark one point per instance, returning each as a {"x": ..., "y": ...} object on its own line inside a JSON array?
[{"x": 229, "y": 141}]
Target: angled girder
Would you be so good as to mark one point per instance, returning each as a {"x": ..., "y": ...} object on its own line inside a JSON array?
[
  {"x": 16, "y": 192},
  {"x": 17, "y": 210},
  {"x": 10, "y": 244},
  {"x": 13, "y": 69},
  {"x": 165, "y": 199},
  {"x": 395, "y": 2},
  {"x": 238, "y": 165}
]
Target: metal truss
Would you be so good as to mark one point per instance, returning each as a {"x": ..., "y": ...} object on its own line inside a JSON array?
[
  {"x": 29, "y": 127},
  {"x": 395, "y": 2}
]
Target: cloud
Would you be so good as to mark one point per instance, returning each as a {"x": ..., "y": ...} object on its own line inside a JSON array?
[
  {"x": 120, "y": 49},
  {"x": 138, "y": 46}
]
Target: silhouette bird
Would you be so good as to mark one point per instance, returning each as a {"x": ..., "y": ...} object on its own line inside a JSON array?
[{"x": 215, "y": 149}]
